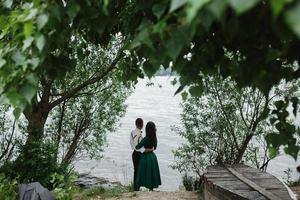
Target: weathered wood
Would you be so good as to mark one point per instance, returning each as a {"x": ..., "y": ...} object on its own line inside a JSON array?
[
  {"x": 256, "y": 187},
  {"x": 242, "y": 182},
  {"x": 250, "y": 194}
]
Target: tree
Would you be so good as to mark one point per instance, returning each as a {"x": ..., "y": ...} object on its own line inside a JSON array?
[
  {"x": 35, "y": 46},
  {"x": 91, "y": 75},
  {"x": 263, "y": 33},
  {"x": 79, "y": 126},
  {"x": 225, "y": 126},
  {"x": 43, "y": 42},
  {"x": 35, "y": 38}
]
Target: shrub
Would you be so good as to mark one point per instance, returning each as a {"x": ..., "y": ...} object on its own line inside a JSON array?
[
  {"x": 188, "y": 182},
  {"x": 35, "y": 168},
  {"x": 130, "y": 187},
  {"x": 8, "y": 188},
  {"x": 64, "y": 188}
]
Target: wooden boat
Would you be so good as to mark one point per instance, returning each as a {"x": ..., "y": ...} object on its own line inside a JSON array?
[{"x": 241, "y": 182}]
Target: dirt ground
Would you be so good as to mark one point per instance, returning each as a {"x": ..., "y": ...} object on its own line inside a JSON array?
[
  {"x": 145, "y": 195},
  {"x": 178, "y": 195}
]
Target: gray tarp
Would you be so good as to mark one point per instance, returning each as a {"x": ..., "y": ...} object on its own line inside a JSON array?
[{"x": 34, "y": 191}]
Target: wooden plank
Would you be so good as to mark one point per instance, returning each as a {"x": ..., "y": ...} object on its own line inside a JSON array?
[
  {"x": 253, "y": 185},
  {"x": 216, "y": 179},
  {"x": 282, "y": 193},
  {"x": 219, "y": 174},
  {"x": 222, "y": 193},
  {"x": 255, "y": 175},
  {"x": 267, "y": 183},
  {"x": 233, "y": 185},
  {"x": 253, "y": 195}
]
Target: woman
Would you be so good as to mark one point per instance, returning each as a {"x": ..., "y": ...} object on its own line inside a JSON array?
[{"x": 148, "y": 172}]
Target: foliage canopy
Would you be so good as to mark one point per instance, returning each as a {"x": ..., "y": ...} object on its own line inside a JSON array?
[{"x": 261, "y": 36}]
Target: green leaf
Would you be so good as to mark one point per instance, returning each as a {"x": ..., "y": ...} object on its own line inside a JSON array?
[
  {"x": 34, "y": 62},
  {"x": 196, "y": 90},
  {"x": 194, "y": 7},
  {"x": 277, "y": 6},
  {"x": 279, "y": 104},
  {"x": 217, "y": 7},
  {"x": 17, "y": 112},
  {"x": 72, "y": 9},
  {"x": 32, "y": 79},
  {"x": 295, "y": 101},
  {"x": 273, "y": 152},
  {"x": 184, "y": 95},
  {"x": 241, "y": 6},
  {"x": 178, "y": 39},
  {"x": 19, "y": 58},
  {"x": 28, "y": 91},
  {"x": 42, "y": 21},
  {"x": 142, "y": 37},
  {"x": 292, "y": 19},
  {"x": 27, "y": 42},
  {"x": 14, "y": 98},
  {"x": 32, "y": 14},
  {"x": 2, "y": 62},
  {"x": 175, "y": 4},
  {"x": 158, "y": 10},
  {"x": 274, "y": 139},
  {"x": 273, "y": 120},
  {"x": 8, "y": 3},
  {"x": 28, "y": 28},
  {"x": 106, "y": 7},
  {"x": 292, "y": 150},
  {"x": 149, "y": 69},
  {"x": 174, "y": 81},
  {"x": 40, "y": 42}
]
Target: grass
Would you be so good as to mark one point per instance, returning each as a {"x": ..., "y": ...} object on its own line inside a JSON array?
[{"x": 116, "y": 191}]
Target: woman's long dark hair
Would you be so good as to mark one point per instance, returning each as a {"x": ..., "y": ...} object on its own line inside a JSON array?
[{"x": 151, "y": 133}]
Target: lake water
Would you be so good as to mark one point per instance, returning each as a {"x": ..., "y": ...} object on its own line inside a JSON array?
[{"x": 157, "y": 104}]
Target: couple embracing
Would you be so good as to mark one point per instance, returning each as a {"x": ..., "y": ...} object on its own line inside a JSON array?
[{"x": 146, "y": 170}]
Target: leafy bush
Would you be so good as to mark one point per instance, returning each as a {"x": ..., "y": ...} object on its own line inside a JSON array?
[
  {"x": 8, "y": 188},
  {"x": 188, "y": 182},
  {"x": 288, "y": 180},
  {"x": 220, "y": 125},
  {"x": 64, "y": 188},
  {"x": 130, "y": 187},
  {"x": 35, "y": 168}
]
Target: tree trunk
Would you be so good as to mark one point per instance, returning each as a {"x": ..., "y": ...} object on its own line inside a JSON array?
[
  {"x": 72, "y": 148},
  {"x": 59, "y": 130},
  {"x": 243, "y": 148},
  {"x": 80, "y": 127},
  {"x": 29, "y": 162},
  {"x": 36, "y": 118}
]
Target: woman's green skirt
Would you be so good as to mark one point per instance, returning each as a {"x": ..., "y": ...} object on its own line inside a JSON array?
[{"x": 148, "y": 171}]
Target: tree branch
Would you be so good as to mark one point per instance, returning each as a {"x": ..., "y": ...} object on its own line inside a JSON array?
[
  {"x": 6, "y": 150},
  {"x": 70, "y": 93},
  {"x": 226, "y": 118}
]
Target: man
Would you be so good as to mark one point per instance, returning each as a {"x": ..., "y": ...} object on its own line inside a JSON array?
[{"x": 134, "y": 140}]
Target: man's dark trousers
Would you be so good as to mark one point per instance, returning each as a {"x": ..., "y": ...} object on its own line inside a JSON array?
[{"x": 135, "y": 159}]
